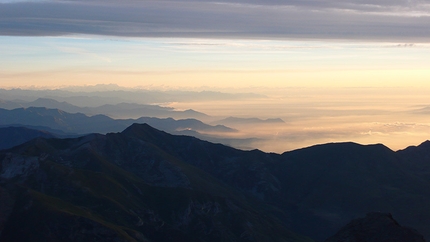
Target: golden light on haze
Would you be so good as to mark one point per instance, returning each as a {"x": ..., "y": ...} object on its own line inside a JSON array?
[
  {"x": 190, "y": 63},
  {"x": 315, "y": 115},
  {"x": 325, "y": 91},
  {"x": 221, "y": 79}
]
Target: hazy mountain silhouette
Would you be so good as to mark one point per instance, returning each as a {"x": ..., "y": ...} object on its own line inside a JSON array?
[
  {"x": 120, "y": 110},
  {"x": 97, "y": 96},
  {"x": 83, "y": 124},
  {"x": 54, "y": 104},
  {"x": 10, "y": 104},
  {"x": 132, "y": 110},
  {"x": 58, "y": 119}
]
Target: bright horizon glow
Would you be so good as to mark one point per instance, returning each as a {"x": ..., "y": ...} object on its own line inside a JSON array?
[
  {"x": 326, "y": 91},
  {"x": 189, "y": 63}
]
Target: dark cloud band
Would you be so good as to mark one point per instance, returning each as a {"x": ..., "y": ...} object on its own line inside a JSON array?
[{"x": 276, "y": 19}]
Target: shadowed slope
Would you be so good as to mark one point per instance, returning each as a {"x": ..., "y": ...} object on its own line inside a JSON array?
[
  {"x": 375, "y": 227},
  {"x": 314, "y": 191},
  {"x": 119, "y": 187},
  {"x": 333, "y": 183},
  {"x": 319, "y": 188},
  {"x": 13, "y": 136}
]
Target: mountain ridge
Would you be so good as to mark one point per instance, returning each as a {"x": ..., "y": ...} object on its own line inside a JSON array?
[
  {"x": 119, "y": 110},
  {"x": 81, "y": 123},
  {"x": 313, "y": 191},
  {"x": 122, "y": 188}
]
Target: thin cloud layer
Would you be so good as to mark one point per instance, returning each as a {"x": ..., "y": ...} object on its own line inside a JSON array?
[{"x": 395, "y": 21}]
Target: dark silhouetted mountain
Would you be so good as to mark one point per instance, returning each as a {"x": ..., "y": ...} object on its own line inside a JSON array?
[
  {"x": 318, "y": 189},
  {"x": 13, "y": 136},
  {"x": 124, "y": 187},
  {"x": 313, "y": 191},
  {"x": 121, "y": 110},
  {"x": 328, "y": 185},
  {"x": 234, "y": 121},
  {"x": 376, "y": 227},
  {"x": 418, "y": 158},
  {"x": 82, "y": 124}
]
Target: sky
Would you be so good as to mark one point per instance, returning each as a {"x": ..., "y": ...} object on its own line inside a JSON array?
[
  {"x": 394, "y": 20},
  {"x": 205, "y": 43},
  {"x": 274, "y": 47},
  {"x": 215, "y": 63}
]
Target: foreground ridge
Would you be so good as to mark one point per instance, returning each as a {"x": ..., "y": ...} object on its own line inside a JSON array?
[
  {"x": 148, "y": 185},
  {"x": 119, "y": 187}
]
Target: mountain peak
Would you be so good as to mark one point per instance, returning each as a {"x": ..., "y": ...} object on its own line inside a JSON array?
[
  {"x": 425, "y": 144},
  {"x": 143, "y": 131},
  {"x": 376, "y": 227},
  {"x": 342, "y": 147},
  {"x": 422, "y": 147},
  {"x": 138, "y": 126}
]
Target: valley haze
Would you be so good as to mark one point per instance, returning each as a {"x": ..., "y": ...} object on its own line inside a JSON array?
[{"x": 272, "y": 120}]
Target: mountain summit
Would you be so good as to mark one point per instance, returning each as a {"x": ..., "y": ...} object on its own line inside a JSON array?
[{"x": 122, "y": 187}]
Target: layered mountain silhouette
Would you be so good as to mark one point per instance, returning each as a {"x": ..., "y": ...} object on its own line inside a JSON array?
[
  {"x": 120, "y": 110},
  {"x": 13, "y": 136},
  {"x": 82, "y": 124},
  {"x": 98, "y": 95},
  {"x": 147, "y": 185}
]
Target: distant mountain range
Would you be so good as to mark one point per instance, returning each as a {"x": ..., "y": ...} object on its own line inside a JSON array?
[
  {"x": 189, "y": 122},
  {"x": 147, "y": 185},
  {"x": 98, "y": 95},
  {"x": 13, "y": 136},
  {"x": 121, "y": 110},
  {"x": 79, "y": 123}
]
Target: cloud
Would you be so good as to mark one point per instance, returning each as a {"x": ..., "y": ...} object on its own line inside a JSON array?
[{"x": 399, "y": 21}]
